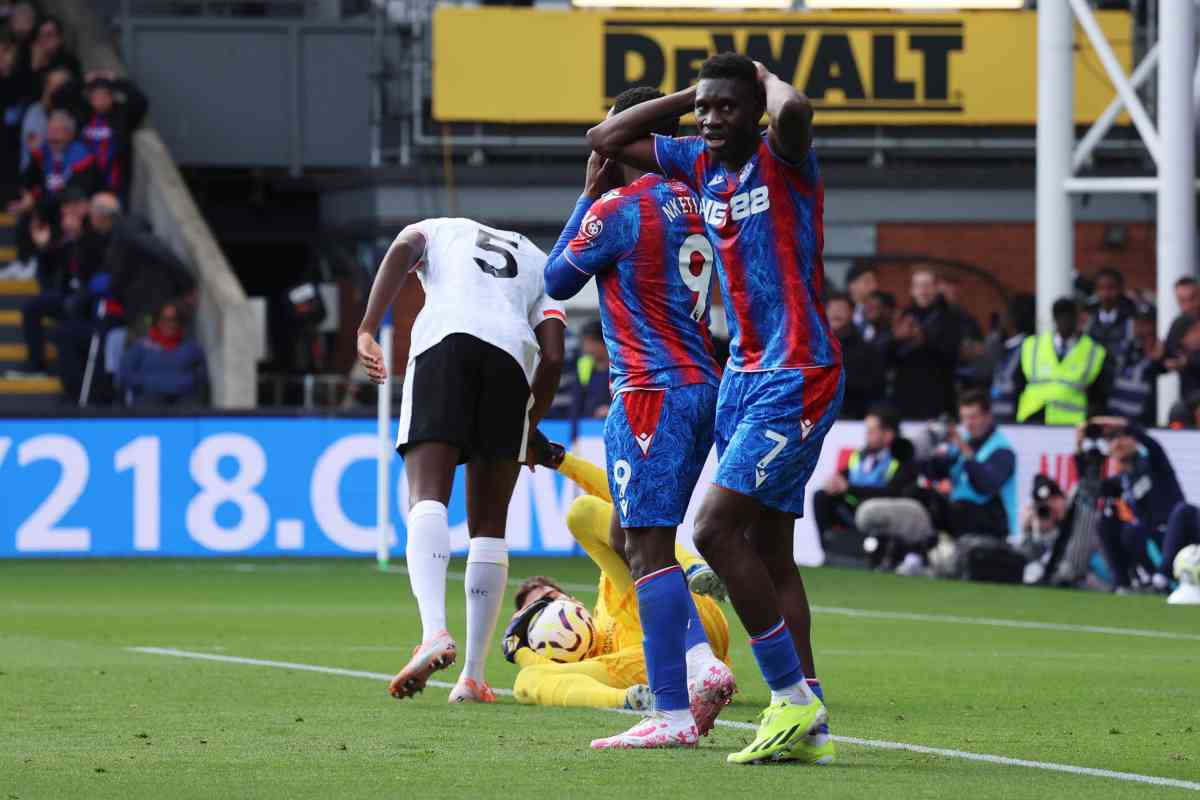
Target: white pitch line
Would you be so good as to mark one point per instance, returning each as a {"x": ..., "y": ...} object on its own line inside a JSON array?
[
  {"x": 867, "y": 613},
  {"x": 877, "y": 744},
  {"x": 1005, "y": 623}
]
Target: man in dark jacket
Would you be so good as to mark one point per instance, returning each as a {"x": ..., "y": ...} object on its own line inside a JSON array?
[
  {"x": 144, "y": 273},
  {"x": 65, "y": 266},
  {"x": 864, "y": 362},
  {"x": 1112, "y": 312},
  {"x": 925, "y": 347},
  {"x": 116, "y": 108},
  {"x": 1141, "y": 498}
]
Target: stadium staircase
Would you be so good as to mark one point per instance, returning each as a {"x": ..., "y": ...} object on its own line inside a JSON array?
[{"x": 19, "y": 393}]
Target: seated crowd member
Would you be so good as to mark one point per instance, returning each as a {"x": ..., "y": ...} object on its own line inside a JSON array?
[
  {"x": 971, "y": 489},
  {"x": 166, "y": 367},
  {"x": 883, "y": 467},
  {"x": 1141, "y": 498},
  {"x": 613, "y": 675}
]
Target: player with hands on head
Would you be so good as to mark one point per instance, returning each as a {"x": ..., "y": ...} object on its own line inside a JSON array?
[
  {"x": 474, "y": 386},
  {"x": 762, "y": 199},
  {"x": 642, "y": 238}
]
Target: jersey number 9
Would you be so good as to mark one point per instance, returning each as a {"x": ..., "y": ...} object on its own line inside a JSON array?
[{"x": 695, "y": 267}]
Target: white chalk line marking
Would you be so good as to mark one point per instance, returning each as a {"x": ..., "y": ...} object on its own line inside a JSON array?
[
  {"x": 877, "y": 744},
  {"x": 906, "y": 616}
]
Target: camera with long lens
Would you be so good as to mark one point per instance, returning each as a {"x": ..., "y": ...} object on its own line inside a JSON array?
[{"x": 1092, "y": 453}]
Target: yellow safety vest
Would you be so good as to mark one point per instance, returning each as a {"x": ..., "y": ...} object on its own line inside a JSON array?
[{"x": 1059, "y": 387}]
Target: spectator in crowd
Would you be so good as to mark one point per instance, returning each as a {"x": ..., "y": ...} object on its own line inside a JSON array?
[
  {"x": 971, "y": 490},
  {"x": 1140, "y": 499},
  {"x": 1065, "y": 375},
  {"x": 48, "y": 52},
  {"x": 108, "y": 131},
  {"x": 1111, "y": 312},
  {"x": 1021, "y": 323},
  {"x": 21, "y": 23},
  {"x": 861, "y": 282},
  {"x": 880, "y": 310},
  {"x": 63, "y": 273},
  {"x": 15, "y": 96},
  {"x": 1187, "y": 295},
  {"x": 36, "y": 122},
  {"x": 591, "y": 396},
  {"x": 947, "y": 286},
  {"x": 1134, "y": 393},
  {"x": 924, "y": 350},
  {"x": 883, "y": 467},
  {"x": 864, "y": 363},
  {"x": 144, "y": 273},
  {"x": 166, "y": 367},
  {"x": 1186, "y": 361},
  {"x": 63, "y": 161}
]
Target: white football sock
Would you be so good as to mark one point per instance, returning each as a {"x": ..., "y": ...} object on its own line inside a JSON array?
[
  {"x": 428, "y": 557},
  {"x": 677, "y": 717},
  {"x": 798, "y": 694},
  {"x": 487, "y": 576},
  {"x": 699, "y": 657}
]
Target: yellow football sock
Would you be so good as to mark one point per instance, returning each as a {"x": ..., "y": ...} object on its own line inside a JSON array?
[
  {"x": 687, "y": 558},
  {"x": 587, "y": 475},
  {"x": 589, "y": 519}
]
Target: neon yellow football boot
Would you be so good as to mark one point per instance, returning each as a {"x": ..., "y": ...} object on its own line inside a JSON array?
[
  {"x": 781, "y": 725},
  {"x": 815, "y": 748}
]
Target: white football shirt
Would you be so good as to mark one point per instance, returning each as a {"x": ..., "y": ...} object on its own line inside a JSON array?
[{"x": 484, "y": 282}]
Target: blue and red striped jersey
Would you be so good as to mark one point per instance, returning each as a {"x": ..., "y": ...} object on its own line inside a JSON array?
[
  {"x": 766, "y": 222},
  {"x": 645, "y": 244}
]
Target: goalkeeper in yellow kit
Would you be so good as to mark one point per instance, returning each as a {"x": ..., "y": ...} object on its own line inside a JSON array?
[{"x": 613, "y": 674}]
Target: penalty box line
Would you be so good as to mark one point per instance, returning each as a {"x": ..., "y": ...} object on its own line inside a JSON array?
[{"x": 877, "y": 744}]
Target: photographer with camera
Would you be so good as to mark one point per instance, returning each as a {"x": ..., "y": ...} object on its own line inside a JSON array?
[
  {"x": 1137, "y": 503},
  {"x": 883, "y": 467},
  {"x": 971, "y": 489}
]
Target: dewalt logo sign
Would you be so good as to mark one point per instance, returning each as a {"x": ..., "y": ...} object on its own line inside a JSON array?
[
  {"x": 541, "y": 66},
  {"x": 853, "y": 67}
]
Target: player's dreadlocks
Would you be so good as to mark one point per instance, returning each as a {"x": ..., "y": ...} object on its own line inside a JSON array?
[
  {"x": 734, "y": 66},
  {"x": 667, "y": 126}
]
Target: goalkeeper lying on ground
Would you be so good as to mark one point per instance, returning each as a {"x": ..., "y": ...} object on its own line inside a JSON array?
[{"x": 613, "y": 674}]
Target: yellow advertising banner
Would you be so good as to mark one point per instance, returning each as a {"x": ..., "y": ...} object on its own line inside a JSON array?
[{"x": 565, "y": 66}]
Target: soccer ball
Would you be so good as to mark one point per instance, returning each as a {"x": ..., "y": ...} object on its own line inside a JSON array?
[
  {"x": 562, "y": 632},
  {"x": 1187, "y": 572}
]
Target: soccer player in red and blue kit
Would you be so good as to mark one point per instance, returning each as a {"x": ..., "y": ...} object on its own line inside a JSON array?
[
  {"x": 644, "y": 241},
  {"x": 762, "y": 203}
]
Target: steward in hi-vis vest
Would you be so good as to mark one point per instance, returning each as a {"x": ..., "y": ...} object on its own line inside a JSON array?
[{"x": 1063, "y": 375}]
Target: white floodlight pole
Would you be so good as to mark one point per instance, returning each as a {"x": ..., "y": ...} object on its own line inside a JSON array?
[
  {"x": 1177, "y": 169},
  {"x": 1055, "y": 140}
]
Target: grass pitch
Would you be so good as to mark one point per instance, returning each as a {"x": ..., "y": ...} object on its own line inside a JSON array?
[{"x": 82, "y": 715}]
